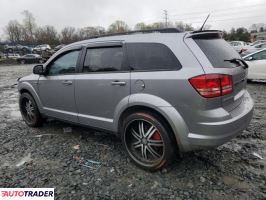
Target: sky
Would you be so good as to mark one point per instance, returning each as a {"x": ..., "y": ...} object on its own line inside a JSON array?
[{"x": 225, "y": 14}]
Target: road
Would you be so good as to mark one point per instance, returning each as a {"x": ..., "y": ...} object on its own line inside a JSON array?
[{"x": 61, "y": 156}]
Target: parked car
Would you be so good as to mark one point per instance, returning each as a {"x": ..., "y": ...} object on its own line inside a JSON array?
[
  {"x": 251, "y": 49},
  {"x": 161, "y": 91},
  {"x": 59, "y": 47},
  {"x": 30, "y": 58},
  {"x": 40, "y": 48},
  {"x": 257, "y": 65},
  {"x": 257, "y": 42},
  {"x": 2, "y": 55},
  {"x": 12, "y": 55},
  {"x": 238, "y": 45},
  {"x": 16, "y": 48}
]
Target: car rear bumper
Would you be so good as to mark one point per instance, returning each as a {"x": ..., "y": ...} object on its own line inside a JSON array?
[{"x": 214, "y": 134}]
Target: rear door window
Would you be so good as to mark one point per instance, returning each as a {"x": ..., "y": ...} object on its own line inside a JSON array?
[
  {"x": 217, "y": 50},
  {"x": 104, "y": 59},
  {"x": 151, "y": 57}
]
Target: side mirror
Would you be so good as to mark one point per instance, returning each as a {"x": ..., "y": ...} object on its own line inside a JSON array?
[
  {"x": 250, "y": 58},
  {"x": 38, "y": 69}
]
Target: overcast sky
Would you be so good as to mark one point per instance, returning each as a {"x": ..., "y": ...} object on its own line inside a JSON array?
[{"x": 81, "y": 13}]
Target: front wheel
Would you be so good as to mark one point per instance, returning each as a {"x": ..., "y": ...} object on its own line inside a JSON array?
[
  {"x": 29, "y": 110},
  {"x": 148, "y": 140}
]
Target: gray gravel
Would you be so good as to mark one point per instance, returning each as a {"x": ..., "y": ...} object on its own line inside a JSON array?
[{"x": 62, "y": 156}]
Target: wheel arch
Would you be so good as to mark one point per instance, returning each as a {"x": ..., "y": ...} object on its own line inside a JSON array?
[
  {"x": 28, "y": 88},
  {"x": 170, "y": 116}
]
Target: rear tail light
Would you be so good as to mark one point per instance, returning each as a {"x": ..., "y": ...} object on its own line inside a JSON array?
[{"x": 212, "y": 85}]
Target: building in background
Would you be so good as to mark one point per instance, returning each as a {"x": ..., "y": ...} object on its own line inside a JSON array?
[{"x": 258, "y": 36}]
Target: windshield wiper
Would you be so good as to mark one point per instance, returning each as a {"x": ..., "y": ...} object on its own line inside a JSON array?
[{"x": 238, "y": 61}]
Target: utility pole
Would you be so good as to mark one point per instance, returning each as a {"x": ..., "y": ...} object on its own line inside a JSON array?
[{"x": 165, "y": 12}]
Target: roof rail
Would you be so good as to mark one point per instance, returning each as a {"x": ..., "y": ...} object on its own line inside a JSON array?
[
  {"x": 163, "y": 30},
  {"x": 206, "y": 31}
]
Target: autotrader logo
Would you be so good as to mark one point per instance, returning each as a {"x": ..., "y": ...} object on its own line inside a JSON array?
[{"x": 27, "y": 193}]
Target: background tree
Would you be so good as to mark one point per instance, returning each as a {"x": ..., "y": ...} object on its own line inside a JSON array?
[
  {"x": 142, "y": 26},
  {"x": 68, "y": 35},
  {"x": 183, "y": 26},
  {"x": 238, "y": 34},
  {"x": 47, "y": 35},
  {"x": 14, "y": 31},
  {"x": 87, "y": 32},
  {"x": 118, "y": 27},
  {"x": 29, "y": 27}
]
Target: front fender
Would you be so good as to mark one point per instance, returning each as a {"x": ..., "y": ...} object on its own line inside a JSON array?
[
  {"x": 32, "y": 90},
  {"x": 158, "y": 104}
]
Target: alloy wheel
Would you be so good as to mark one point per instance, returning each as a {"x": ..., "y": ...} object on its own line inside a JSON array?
[
  {"x": 144, "y": 142},
  {"x": 28, "y": 110}
]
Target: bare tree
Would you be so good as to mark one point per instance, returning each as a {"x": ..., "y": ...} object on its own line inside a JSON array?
[
  {"x": 158, "y": 25},
  {"x": 142, "y": 26},
  {"x": 14, "y": 31},
  {"x": 29, "y": 26},
  {"x": 46, "y": 35},
  {"x": 118, "y": 27},
  {"x": 68, "y": 35},
  {"x": 183, "y": 27}
]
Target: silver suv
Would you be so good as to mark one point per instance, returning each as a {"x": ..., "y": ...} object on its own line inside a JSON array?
[{"x": 162, "y": 91}]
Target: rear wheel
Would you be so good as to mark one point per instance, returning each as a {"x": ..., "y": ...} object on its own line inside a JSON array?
[
  {"x": 29, "y": 110},
  {"x": 148, "y": 141}
]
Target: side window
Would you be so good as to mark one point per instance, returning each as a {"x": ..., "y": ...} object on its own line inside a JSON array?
[
  {"x": 259, "y": 56},
  {"x": 65, "y": 64},
  {"x": 151, "y": 57},
  {"x": 103, "y": 59}
]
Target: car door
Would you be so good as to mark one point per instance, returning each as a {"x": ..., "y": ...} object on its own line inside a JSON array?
[
  {"x": 56, "y": 88},
  {"x": 103, "y": 84},
  {"x": 257, "y": 65}
]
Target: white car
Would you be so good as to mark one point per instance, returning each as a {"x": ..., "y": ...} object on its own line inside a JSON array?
[
  {"x": 13, "y": 55},
  {"x": 257, "y": 42},
  {"x": 251, "y": 49},
  {"x": 238, "y": 45},
  {"x": 40, "y": 48},
  {"x": 257, "y": 65}
]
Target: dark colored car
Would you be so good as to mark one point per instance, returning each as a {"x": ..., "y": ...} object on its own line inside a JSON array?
[{"x": 30, "y": 58}]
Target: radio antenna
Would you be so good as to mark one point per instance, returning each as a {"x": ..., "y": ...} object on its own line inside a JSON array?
[{"x": 204, "y": 22}]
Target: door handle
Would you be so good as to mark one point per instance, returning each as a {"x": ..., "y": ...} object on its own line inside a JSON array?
[
  {"x": 121, "y": 83},
  {"x": 67, "y": 82}
]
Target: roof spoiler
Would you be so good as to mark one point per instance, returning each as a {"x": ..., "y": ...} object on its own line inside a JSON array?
[{"x": 205, "y": 34}]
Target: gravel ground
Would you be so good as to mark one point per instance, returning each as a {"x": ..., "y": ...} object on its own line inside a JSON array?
[{"x": 60, "y": 155}]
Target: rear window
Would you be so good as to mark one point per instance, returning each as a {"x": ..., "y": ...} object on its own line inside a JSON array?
[
  {"x": 151, "y": 57},
  {"x": 218, "y": 50}
]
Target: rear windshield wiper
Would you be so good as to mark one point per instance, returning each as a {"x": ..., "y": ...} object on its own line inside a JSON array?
[{"x": 238, "y": 61}]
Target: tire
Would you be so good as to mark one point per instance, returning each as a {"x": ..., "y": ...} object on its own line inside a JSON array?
[
  {"x": 10, "y": 50},
  {"x": 155, "y": 148},
  {"x": 22, "y": 62},
  {"x": 34, "y": 51},
  {"x": 29, "y": 110}
]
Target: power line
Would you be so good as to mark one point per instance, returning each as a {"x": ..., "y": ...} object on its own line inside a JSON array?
[
  {"x": 214, "y": 14},
  {"x": 230, "y": 19},
  {"x": 218, "y": 10}
]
